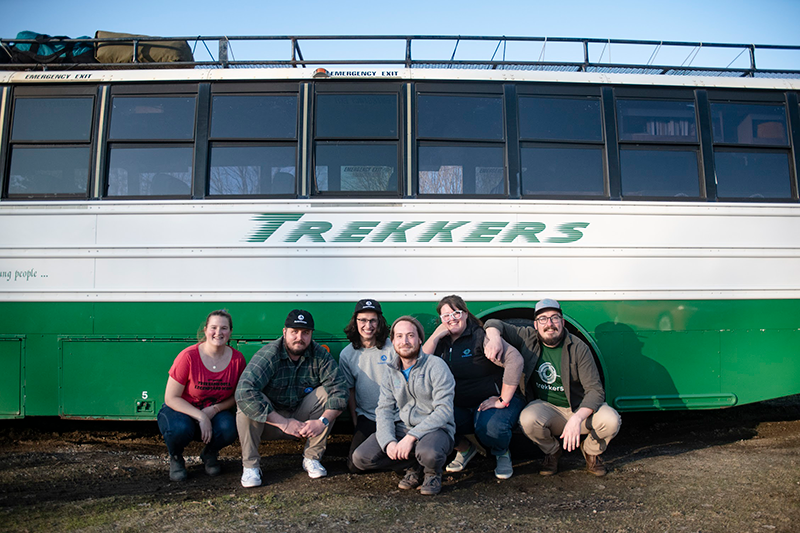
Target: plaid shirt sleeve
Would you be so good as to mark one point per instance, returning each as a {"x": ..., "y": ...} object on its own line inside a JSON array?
[
  {"x": 332, "y": 379},
  {"x": 250, "y": 393}
]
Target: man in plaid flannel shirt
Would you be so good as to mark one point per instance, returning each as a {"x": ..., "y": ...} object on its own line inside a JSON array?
[{"x": 292, "y": 388}]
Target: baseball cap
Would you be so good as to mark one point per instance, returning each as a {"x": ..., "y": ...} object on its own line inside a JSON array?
[
  {"x": 545, "y": 304},
  {"x": 299, "y": 319},
  {"x": 368, "y": 305}
]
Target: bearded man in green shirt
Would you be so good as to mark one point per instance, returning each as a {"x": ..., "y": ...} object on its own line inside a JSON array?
[{"x": 566, "y": 396}]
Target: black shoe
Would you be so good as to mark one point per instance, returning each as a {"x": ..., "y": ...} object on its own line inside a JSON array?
[
  {"x": 177, "y": 468},
  {"x": 210, "y": 461}
]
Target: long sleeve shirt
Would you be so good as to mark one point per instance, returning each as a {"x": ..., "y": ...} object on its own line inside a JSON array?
[{"x": 272, "y": 381}]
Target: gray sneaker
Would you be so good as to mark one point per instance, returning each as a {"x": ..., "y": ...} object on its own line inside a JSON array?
[
  {"x": 432, "y": 485},
  {"x": 411, "y": 480},
  {"x": 504, "y": 469}
]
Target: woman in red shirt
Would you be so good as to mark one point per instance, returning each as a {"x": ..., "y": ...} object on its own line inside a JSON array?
[{"x": 199, "y": 402}]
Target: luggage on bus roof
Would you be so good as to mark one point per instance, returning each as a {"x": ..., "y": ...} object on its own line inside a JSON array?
[
  {"x": 47, "y": 49},
  {"x": 147, "y": 51}
]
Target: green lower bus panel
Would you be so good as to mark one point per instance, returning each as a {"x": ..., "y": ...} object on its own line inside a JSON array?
[
  {"x": 11, "y": 382},
  {"x": 117, "y": 379}
]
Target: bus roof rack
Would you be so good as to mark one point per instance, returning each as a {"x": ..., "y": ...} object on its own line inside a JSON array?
[{"x": 563, "y": 54}]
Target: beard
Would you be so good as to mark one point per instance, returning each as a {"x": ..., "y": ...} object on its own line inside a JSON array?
[
  {"x": 294, "y": 352},
  {"x": 552, "y": 341},
  {"x": 407, "y": 352}
]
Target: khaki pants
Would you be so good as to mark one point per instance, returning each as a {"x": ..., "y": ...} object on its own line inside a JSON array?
[
  {"x": 544, "y": 422},
  {"x": 251, "y": 433}
]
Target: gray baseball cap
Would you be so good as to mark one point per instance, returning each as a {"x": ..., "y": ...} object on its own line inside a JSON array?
[{"x": 544, "y": 305}]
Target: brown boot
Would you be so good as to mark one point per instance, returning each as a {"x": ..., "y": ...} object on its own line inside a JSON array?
[
  {"x": 550, "y": 464},
  {"x": 595, "y": 466}
]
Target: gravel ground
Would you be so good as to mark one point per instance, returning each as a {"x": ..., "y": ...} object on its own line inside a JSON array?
[{"x": 728, "y": 470}]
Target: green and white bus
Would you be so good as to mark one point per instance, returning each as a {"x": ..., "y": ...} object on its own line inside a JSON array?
[{"x": 659, "y": 206}]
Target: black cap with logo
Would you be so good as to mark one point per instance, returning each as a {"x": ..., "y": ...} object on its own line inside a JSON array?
[
  {"x": 368, "y": 305},
  {"x": 299, "y": 319}
]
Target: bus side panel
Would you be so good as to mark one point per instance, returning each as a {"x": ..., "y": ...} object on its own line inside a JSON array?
[
  {"x": 761, "y": 364},
  {"x": 11, "y": 379},
  {"x": 41, "y": 324},
  {"x": 115, "y": 379}
]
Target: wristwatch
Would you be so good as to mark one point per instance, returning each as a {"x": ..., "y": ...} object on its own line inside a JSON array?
[
  {"x": 324, "y": 421},
  {"x": 505, "y": 403}
]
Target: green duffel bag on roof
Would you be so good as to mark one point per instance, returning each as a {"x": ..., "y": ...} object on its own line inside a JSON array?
[{"x": 148, "y": 51}]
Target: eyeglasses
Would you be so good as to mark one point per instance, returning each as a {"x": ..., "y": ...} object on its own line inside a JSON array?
[
  {"x": 542, "y": 320},
  {"x": 455, "y": 315},
  {"x": 365, "y": 321}
]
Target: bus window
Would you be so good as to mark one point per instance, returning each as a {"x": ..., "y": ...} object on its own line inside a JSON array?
[
  {"x": 348, "y": 167},
  {"x": 659, "y": 149},
  {"x": 253, "y": 117},
  {"x": 751, "y": 153},
  {"x": 460, "y": 117},
  {"x": 461, "y": 170},
  {"x": 252, "y": 170},
  {"x": 659, "y": 173},
  {"x": 655, "y": 120},
  {"x": 146, "y": 155},
  {"x": 356, "y": 116},
  {"x": 356, "y": 147},
  {"x": 561, "y": 146},
  {"x": 447, "y": 165},
  {"x": 253, "y": 145},
  {"x": 560, "y": 119},
  {"x": 61, "y": 167}
]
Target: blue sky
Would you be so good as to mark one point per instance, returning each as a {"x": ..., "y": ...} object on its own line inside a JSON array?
[{"x": 738, "y": 21}]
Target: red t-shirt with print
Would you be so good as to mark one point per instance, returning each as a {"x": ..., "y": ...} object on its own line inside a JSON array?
[{"x": 204, "y": 387}]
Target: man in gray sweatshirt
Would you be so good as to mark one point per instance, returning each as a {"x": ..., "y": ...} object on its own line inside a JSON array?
[{"x": 415, "y": 426}]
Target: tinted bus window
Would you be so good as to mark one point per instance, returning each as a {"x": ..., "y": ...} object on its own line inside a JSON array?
[
  {"x": 51, "y": 170},
  {"x": 574, "y": 119},
  {"x": 461, "y": 170},
  {"x": 149, "y": 171},
  {"x": 52, "y": 119},
  {"x": 749, "y": 124},
  {"x": 562, "y": 171},
  {"x": 348, "y": 167},
  {"x": 156, "y": 117},
  {"x": 244, "y": 170},
  {"x": 254, "y": 117},
  {"x": 753, "y": 175},
  {"x": 356, "y": 116},
  {"x": 660, "y": 173},
  {"x": 460, "y": 117},
  {"x": 652, "y": 120}
]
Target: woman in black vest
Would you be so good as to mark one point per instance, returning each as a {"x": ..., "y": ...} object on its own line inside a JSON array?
[{"x": 487, "y": 402}]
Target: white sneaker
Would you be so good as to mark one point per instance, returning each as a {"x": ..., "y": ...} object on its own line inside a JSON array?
[
  {"x": 251, "y": 477},
  {"x": 314, "y": 468},
  {"x": 462, "y": 458}
]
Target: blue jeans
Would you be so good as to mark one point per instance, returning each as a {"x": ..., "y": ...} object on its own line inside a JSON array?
[
  {"x": 180, "y": 429},
  {"x": 493, "y": 427}
]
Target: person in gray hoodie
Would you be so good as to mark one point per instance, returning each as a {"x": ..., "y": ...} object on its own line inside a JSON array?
[{"x": 415, "y": 425}]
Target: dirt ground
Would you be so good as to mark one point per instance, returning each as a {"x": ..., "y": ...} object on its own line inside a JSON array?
[{"x": 730, "y": 470}]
